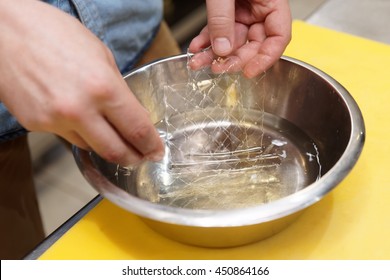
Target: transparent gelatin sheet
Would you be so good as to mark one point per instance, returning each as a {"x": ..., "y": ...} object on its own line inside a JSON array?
[
  {"x": 215, "y": 157},
  {"x": 222, "y": 149}
]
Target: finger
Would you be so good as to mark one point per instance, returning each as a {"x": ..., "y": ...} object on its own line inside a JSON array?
[
  {"x": 258, "y": 55},
  {"x": 238, "y": 61},
  {"x": 220, "y": 22},
  {"x": 267, "y": 55},
  {"x": 218, "y": 64},
  {"x": 200, "y": 42},
  {"x": 131, "y": 120},
  {"x": 201, "y": 59},
  {"x": 200, "y": 48},
  {"x": 277, "y": 27},
  {"x": 232, "y": 63},
  {"x": 75, "y": 139},
  {"x": 102, "y": 138},
  {"x": 246, "y": 52}
]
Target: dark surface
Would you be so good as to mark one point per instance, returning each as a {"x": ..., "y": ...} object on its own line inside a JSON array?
[{"x": 179, "y": 9}]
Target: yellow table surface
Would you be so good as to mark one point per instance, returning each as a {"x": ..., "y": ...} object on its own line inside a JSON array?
[{"x": 352, "y": 222}]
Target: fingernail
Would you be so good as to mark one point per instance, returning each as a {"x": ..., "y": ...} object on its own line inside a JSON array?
[
  {"x": 222, "y": 46},
  {"x": 193, "y": 63}
]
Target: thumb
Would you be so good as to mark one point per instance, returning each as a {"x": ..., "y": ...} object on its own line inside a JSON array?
[{"x": 220, "y": 23}]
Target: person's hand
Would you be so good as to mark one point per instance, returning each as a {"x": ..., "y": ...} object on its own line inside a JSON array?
[
  {"x": 247, "y": 35},
  {"x": 56, "y": 76}
]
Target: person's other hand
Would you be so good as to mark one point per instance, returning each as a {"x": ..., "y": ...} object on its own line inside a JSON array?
[
  {"x": 56, "y": 76},
  {"x": 248, "y": 35}
]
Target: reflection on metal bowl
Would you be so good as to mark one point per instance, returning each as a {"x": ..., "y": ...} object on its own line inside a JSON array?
[{"x": 243, "y": 157}]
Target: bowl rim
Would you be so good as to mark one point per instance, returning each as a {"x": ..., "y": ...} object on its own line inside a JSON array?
[{"x": 244, "y": 216}]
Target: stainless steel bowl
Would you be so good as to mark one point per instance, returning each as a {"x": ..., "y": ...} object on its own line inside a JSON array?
[{"x": 309, "y": 125}]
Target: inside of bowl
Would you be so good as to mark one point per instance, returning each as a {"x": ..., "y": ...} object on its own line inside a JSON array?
[{"x": 234, "y": 142}]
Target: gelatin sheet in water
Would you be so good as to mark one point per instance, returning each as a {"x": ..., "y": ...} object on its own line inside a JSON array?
[{"x": 216, "y": 153}]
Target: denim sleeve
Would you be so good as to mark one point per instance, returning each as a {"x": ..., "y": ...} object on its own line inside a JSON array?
[{"x": 127, "y": 27}]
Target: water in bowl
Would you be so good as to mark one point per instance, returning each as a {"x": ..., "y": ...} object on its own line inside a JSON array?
[{"x": 241, "y": 159}]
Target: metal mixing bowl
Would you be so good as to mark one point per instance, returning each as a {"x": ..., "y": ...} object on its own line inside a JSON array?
[{"x": 279, "y": 143}]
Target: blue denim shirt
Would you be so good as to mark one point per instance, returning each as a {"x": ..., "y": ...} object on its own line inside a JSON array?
[{"x": 127, "y": 27}]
